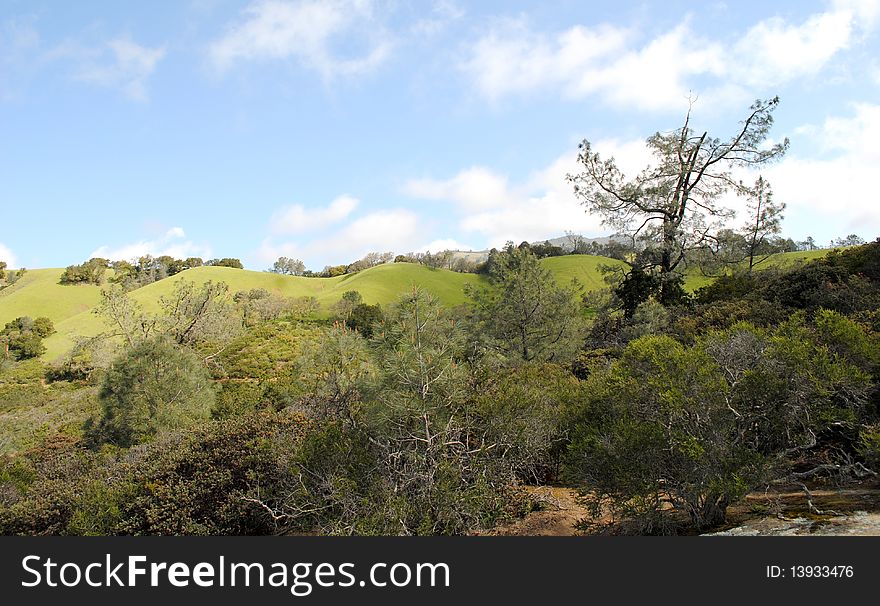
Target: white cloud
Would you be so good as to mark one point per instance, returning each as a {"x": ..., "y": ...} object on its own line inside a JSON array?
[
  {"x": 657, "y": 74},
  {"x": 7, "y": 255},
  {"x": 394, "y": 229},
  {"x": 866, "y": 12},
  {"x": 513, "y": 59},
  {"x": 172, "y": 243},
  {"x": 834, "y": 194},
  {"x": 127, "y": 68},
  {"x": 333, "y": 37},
  {"x": 776, "y": 51},
  {"x": 299, "y": 219},
  {"x": 542, "y": 206},
  {"x": 385, "y": 230},
  {"x": 474, "y": 188},
  {"x": 442, "y": 13},
  {"x": 444, "y": 244}
]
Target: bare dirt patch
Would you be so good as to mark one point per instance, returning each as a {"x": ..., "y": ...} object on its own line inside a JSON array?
[
  {"x": 560, "y": 511},
  {"x": 836, "y": 511}
]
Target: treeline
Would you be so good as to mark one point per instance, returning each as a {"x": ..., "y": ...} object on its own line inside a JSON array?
[
  {"x": 451, "y": 260},
  {"x": 140, "y": 272}
]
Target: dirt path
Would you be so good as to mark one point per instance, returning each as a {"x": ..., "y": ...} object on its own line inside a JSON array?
[{"x": 560, "y": 512}]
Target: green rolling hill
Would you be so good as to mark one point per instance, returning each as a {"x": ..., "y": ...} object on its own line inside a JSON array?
[{"x": 38, "y": 293}]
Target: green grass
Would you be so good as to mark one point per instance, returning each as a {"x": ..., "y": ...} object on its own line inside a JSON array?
[
  {"x": 586, "y": 269},
  {"x": 794, "y": 258},
  {"x": 38, "y": 293},
  {"x": 694, "y": 279}
]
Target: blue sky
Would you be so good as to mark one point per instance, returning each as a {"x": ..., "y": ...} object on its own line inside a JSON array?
[{"x": 325, "y": 130}]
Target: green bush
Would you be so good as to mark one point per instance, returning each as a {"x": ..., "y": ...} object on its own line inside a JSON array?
[
  {"x": 238, "y": 398},
  {"x": 152, "y": 387},
  {"x": 210, "y": 480}
]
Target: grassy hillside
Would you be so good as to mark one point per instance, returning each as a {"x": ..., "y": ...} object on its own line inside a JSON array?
[
  {"x": 380, "y": 284},
  {"x": 38, "y": 293},
  {"x": 586, "y": 269},
  {"x": 694, "y": 279}
]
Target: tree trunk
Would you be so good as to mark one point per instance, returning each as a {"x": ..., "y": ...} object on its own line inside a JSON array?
[{"x": 712, "y": 513}]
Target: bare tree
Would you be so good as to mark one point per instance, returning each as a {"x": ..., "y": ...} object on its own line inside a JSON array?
[
  {"x": 674, "y": 205},
  {"x": 125, "y": 316},
  {"x": 764, "y": 221}
]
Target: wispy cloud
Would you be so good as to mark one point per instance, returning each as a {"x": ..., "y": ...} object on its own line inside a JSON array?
[
  {"x": 620, "y": 67},
  {"x": 493, "y": 209},
  {"x": 476, "y": 188},
  {"x": 441, "y": 15},
  {"x": 122, "y": 64},
  {"x": 332, "y": 37},
  {"x": 173, "y": 243},
  {"x": 393, "y": 229},
  {"x": 299, "y": 219}
]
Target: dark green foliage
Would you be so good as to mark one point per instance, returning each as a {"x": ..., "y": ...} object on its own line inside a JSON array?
[
  {"x": 636, "y": 287},
  {"x": 818, "y": 285},
  {"x": 699, "y": 426},
  {"x": 343, "y": 308},
  {"x": 364, "y": 318},
  {"x": 656, "y": 426},
  {"x": 334, "y": 374},
  {"x": 419, "y": 419},
  {"x": 525, "y": 315},
  {"x": 22, "y": 339},
  {"x": 41, "y": 489},
  {"x": 688, "y": 324},
  {"x": 43, "y": 327},
  {"x": 154, "y": 386},
  {"x": 226, "y": 262},
  {"x": 90, "y": 272},
  {"x": 341, "y": 490},
  {"x": 728, "y": 286},
  {"x": 199, "y": 484},
  {"x": 522, "y": 414},
  {"x": 207, "y": 481},
  {"x": 237, "y": 398}
]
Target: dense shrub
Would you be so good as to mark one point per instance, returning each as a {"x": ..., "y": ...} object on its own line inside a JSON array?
[
  {"x": 522, "y": 416},
  {"x": 208, "y": 481},
  {"x": 152, "y": 387},
  {"x": 699, "y": 426},
  {"x": 267, "y": 350},
  {"x": 22, "y": 338}
]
